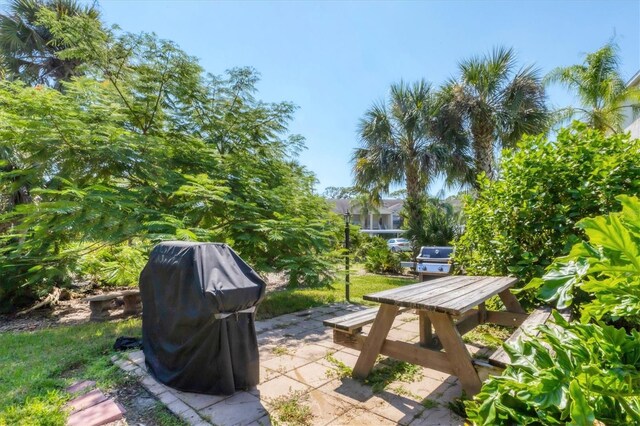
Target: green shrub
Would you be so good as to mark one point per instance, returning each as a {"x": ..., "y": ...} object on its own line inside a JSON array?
[
  {"x": 579, "y": 373},
  {"x": 366, "y": 243},
  {"x": 118, "y": 265},
  {"x": 440, "y": 224},
  {"x": 572, "y": 373},
  {"x": 520, "y": 222},
  {"x": 380, "y": 259},
  {"x": 358, "y": 242},
  {"x": 607, "y": 267}
]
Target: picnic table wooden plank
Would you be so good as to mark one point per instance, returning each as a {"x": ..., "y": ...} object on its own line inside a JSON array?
[
  {"x": 354, "y": 317},
  {"x": 424, "y": 289},
  {"x": 466, "y": 301},
  {"x": 433, "y": 290},
  {"x": 405, "y": 295},
  {"x": 410, "y": 289},
  {"x": 454, "y": 294},
  {"x": 510, "y": 302},
  {"x": 408, "y": 352},
  {"x": 456, "y": 351},
  {"x": 472, "y": 292}
]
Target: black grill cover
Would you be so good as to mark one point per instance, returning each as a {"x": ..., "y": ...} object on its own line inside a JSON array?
[{"x": 190, "y": 341}]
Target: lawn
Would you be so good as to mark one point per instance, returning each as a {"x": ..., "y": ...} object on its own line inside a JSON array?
[
  {"x": 37, "y": 366},
  {"x": 294, "y": 299}
]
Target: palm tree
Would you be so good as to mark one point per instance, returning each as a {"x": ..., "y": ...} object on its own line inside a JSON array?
[
  {"x": 27, "y": 50},
  {"x": 492, "y": 104},
  {"x": 398, "y": 147},
  {"x": 367, "y": 203},
  {"x": 603, "y": 95}
]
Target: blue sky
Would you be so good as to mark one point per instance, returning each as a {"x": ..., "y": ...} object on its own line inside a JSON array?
[{"x": 333, "y": 59}]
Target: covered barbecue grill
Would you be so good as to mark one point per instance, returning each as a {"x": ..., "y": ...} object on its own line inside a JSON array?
[
  {"x": 434, "y": 261},
  {"x": 198, "y": 320}
]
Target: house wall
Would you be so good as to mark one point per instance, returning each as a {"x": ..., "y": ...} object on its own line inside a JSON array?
[
  {"x": 382, "y": 221},
  {"x": 632, "y": 124},
  {"x": 368, "y": 223},
  {"x": 633, "y": 127}
]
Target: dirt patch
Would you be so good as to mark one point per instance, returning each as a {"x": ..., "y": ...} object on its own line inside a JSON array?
[
  {"x": 141, "y": 407},
  {"x": 66, "y": 312},
  {"x": 76, "y": 310}
]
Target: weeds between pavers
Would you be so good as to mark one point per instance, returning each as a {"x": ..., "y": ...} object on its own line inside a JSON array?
[
  {"x": 280, "y": 350},
  {"x": 291, "y": 409},
  {"x": 490, "y": 335},
  {"x": 342, "y": 369},
  {"x": 390, "y": 371},
  {"x": 429, "y": 403}
]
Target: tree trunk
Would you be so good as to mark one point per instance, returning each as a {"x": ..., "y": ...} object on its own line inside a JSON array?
[
  {"x": 483, "y": 149},
  {"x": 415, "y": 196}
]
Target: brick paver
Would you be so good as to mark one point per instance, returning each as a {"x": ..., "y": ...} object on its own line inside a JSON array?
[{"x": 298, "y": 359}]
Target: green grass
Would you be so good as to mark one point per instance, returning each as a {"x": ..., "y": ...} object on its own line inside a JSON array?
[
  {"x": 293, "y": 299},
  {"x": 36, "y": 367}
]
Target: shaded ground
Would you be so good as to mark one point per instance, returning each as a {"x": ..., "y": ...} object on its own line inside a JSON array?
[{"x": 142, "y": 407}]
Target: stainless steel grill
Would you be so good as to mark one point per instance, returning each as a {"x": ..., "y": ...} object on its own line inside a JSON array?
[{"x": 434, "y": 261}]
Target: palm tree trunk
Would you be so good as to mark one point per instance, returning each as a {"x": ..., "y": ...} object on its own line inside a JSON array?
[
  {"x": 414, "y": 203},
  {"x": 483, "y": 149}
]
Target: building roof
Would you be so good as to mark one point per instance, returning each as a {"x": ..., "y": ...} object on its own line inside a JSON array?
[{"x": 635, "y": 80}]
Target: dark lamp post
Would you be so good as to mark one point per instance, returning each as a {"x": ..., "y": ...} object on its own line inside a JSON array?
[{"x": 347, "y": 245}]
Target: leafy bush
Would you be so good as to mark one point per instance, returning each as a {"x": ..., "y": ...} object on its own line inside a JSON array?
[
  {"x": 380, "y": 259},
  {"x": 571, "y": 373},
  {"x": 607, "y": 267},
  {"x": 519, "y": 223},
  {"x": 359, "y": 243},
  {"x": 575, "y": 373},
  {"x": 118, "y": 265},
  {"x": 441, "y": 225},
  {"x": 364, "y": 244}
]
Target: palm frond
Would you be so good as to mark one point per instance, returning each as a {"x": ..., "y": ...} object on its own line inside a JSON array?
[{"x": 599, "y": 87}]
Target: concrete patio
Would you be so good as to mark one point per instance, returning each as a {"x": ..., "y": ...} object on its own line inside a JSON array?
[{"x": 298, "y": 360}]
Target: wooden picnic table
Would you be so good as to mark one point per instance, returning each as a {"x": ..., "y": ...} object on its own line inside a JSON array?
[{"x": 453, "y": 305}]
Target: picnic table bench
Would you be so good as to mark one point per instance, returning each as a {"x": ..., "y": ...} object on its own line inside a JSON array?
[
  {"x": 352, "y": 323},
  {"x": 452, "y": 306},
  {"x": 101, "y": 304}
]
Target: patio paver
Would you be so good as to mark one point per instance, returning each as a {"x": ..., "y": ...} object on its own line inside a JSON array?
[{"x": 293, "y": 360}]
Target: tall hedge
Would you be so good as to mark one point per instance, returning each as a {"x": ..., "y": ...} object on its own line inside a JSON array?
[{"x": 519, "y": 223}]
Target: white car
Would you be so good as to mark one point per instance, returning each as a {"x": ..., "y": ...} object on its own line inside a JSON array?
[{"x": 399, "y": 244}]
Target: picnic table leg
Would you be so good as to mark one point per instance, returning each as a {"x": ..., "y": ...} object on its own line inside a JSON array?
[
  {"x": 510, "y": 302},
  {"x": 482, "y": 313},
  {"x": 456, "y": 352},
  {"x": 375, "y": 340},
  {"x": 426, "y": 337}
]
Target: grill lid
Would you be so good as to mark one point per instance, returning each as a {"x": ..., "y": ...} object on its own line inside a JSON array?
[{"x": 435, "y": 254}]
